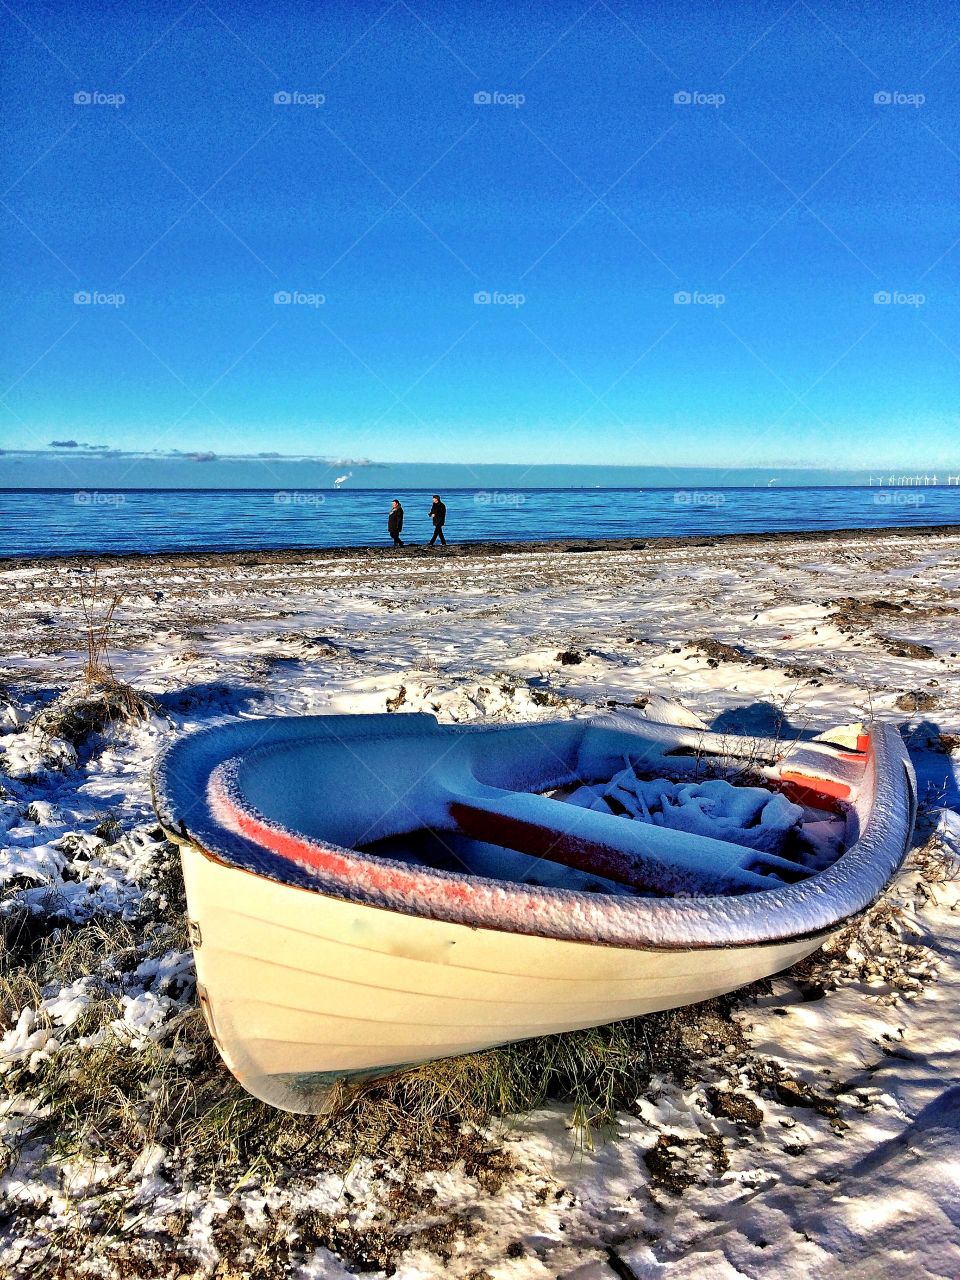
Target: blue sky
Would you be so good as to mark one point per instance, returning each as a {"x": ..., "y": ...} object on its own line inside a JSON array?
[{"x": 585, "y": 200}]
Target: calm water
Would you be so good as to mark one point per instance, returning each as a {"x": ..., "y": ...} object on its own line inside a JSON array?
[{"x": 55, "y": 522}]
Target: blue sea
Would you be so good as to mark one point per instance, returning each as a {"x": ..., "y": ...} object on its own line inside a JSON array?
[{"x": 51, "y": 522}]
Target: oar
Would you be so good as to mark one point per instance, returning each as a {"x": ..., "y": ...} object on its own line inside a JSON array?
[{"x": 634, "y": 853}]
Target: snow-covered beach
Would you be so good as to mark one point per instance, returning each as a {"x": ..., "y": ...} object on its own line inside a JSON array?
[{"x": 816, "y": 1131}]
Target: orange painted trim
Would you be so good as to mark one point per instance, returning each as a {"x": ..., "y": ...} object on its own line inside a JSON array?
[{"x": 821, "y": 786}]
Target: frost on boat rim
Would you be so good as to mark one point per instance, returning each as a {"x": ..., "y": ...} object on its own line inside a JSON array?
[{"x": 387, "y": 809}]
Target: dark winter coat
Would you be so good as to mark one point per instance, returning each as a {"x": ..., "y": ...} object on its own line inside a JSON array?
[
  {"x": 395, "y": 521},
  {"x": 438, "y": 513}
]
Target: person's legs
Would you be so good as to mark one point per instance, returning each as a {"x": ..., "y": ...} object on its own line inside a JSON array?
[
  {"x": 443, "y": 541},
  {"x": 437, "y": 531}
]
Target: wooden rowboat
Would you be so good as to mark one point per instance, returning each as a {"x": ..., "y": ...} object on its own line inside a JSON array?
[{"x": 367, "y": 892}]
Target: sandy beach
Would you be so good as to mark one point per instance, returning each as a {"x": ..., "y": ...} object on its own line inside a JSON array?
[{"x": 840, "y": 1157}]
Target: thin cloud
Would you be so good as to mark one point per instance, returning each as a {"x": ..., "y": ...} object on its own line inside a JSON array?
[{"x": 189, "y": 455}]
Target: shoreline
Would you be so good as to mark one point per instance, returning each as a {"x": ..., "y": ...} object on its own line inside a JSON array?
[{"x": 287, "y": 555}]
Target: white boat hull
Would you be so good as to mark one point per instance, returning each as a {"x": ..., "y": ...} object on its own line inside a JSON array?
[{"x": 301, "y": 989}]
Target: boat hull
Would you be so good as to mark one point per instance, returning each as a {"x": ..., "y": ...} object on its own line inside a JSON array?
[
  {"x": 319, "y": 961},
  {"x": 301, "y": 989}
]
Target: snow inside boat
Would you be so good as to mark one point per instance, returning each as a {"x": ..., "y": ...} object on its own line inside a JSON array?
[{"x": 370, "y": 891}]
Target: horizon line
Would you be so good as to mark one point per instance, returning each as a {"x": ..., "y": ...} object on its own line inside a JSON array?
[{"x": 950, "y": 482}]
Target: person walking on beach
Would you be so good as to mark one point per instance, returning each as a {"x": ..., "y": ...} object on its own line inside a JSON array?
[
  {"x": 395, "y": 523},
  {"x": 438, "y": 513}
]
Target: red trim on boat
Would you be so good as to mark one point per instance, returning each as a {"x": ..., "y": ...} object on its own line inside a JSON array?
[
  {"x": 818, "y": 793},
  {"x": 379, "y": 877}
]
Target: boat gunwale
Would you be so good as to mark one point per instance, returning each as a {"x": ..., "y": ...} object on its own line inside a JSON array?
[
  {"x": 767, "y": 917},
  {"x": 710, "y": 944}
]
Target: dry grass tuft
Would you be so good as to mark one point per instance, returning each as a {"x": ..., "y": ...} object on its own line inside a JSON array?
[
  {"x": 98, "y": 610},
  {"x": 100, "y": 699},
  {"x": 937, "y": 861},
  {"x": 89, "y": 709}
]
